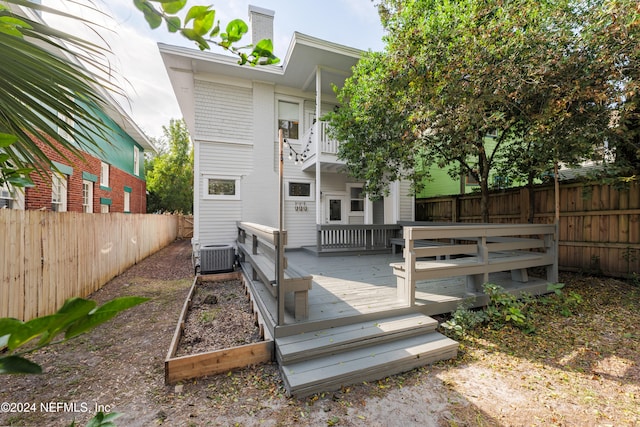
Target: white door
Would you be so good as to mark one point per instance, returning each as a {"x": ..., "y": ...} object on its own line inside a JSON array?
[{"x": 334, "y": 209}]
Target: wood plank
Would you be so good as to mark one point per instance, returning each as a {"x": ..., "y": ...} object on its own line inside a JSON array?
[
  {"x": 366, "y": 363},
  {"x": 215, "y": 362},
  {"x": 313, "y": 344}
]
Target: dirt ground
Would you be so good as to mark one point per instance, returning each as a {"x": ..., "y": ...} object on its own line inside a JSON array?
[{"x": 581, "y": 370}]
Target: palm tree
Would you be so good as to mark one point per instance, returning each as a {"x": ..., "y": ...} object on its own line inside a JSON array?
[{"x": 47, "y": 94}]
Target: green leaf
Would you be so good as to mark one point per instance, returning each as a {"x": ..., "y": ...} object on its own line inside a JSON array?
[
  {"x": 7, "y": 139},
  {"x": 102, "y": 314},
  {"x": 215, "y": 31},
  {"x": 203, "y": 24},
  {"x": 31, "y": 329},
  {"x": 7, "y": 327},
  {"x": 173, "y": 24},
  {"x": 18, "y": 365},
  {"x": 236, "y": 29},
  {"x": 173, "y": 6},
  {"x": 104, "y": 420},
  {"x": 191, "y": 35},
  {"x": 72, "y": 310},
  {"x": 151, "y": 15},
  {"x": 196, "y": 12}
]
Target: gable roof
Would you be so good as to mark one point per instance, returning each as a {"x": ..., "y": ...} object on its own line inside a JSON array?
[{"x": 297, "y": 69}]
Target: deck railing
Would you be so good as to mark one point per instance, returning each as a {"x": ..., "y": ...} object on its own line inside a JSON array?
[
  {"x": 355, "y": 237},
  {"x": 474, "y": 251}
]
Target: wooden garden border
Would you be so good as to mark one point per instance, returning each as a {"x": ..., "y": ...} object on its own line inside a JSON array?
[{"x": 213, "y": 362}]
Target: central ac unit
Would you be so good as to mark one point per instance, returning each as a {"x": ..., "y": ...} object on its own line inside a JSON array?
[{"x": 217, "y": 258}]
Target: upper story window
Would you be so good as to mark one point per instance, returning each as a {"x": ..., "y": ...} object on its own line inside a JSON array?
[
  {"x": 127, "y": 202},
  {"x": 58, "y": 192},
  {"x": 104, "y": 174},
  {"x": 289, "y": 119},
  {"x": 65, "y": 131},
  {"x": 136, "y": 161}
]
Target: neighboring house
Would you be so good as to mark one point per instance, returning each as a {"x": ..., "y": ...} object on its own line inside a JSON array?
[
  {"x": 109, "y": 178},
  {"x": 234, "y": 113}
]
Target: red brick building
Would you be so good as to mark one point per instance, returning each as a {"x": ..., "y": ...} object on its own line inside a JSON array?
[{"x": 110, "y": 179}]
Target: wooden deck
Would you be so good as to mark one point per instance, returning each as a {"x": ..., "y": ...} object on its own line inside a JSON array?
[
  {"x": 357, "y": 329},
  {"x": 368, "y": 315},
  {"x": 365, "y": 286}
]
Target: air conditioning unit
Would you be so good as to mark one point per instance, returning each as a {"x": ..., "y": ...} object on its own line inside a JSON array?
[{"x": 217, "y": 258}]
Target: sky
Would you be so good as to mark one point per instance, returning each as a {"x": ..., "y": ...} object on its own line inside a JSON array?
[{"x": 139, "y": 70}]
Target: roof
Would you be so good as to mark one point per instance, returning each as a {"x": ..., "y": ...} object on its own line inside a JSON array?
[{"x": 297, "y": 69}]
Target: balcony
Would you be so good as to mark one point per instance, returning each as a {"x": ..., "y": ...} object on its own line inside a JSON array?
[{"x": 318, "y": 136}]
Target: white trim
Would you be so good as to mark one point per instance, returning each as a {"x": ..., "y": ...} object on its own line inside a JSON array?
[
  {"x": 127, "y": 202},
  {"x": 88, "y": 208},
  {"x": 59, "y": 192},
  {"x": 136, "y": 160},
  {"x": 312, "y": 190},
  {"x": 205, "y": 186},
  {"x": 104, "y": 174},
  {"x": 349, "y": 199},
  {"x": 291, "y": 100}
]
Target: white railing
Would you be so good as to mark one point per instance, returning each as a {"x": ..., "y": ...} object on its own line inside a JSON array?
[{"x": 328, "y": 145}]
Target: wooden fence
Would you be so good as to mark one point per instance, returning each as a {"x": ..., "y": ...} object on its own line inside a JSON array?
[
  {"x": 599, "y": 224},
  {"x": 47, "y": 257}
]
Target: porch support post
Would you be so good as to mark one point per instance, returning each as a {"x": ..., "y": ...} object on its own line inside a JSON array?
[{"x": 316, "y": 137}]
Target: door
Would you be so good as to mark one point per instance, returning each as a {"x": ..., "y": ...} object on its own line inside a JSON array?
[{"x": 334, "y": 212}]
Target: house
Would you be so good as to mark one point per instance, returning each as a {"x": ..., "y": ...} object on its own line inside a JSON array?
[
  {"x": 109, "y": 178},
  {"x": 234, "y": 114}
]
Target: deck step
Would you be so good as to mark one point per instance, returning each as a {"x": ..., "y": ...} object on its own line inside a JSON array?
[
  {"x": 326, "y": 342},
  {"x": 366, "y": 364}
]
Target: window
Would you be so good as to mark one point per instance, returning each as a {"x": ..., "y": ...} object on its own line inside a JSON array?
[
  {"x": 87, "y": 196},
  {"x": 471, "y": 178},
  {"x": 104, "y": 208},
  {"x": 65, "y": 129},
  {"x": 127, "y": 201},
  {"x": 223, "y": 188},
  {"x": 289, "y": 119},
  {"x": 493, "y": 133},
  {"x": 299, "y": 190},
  {"x": 6, "y": 199},
  {"x": 104, "y": 174},
  {"x": 357, "y": 199},
  {"x": 58, "y": 192},
  {"x": 136, "y": 161}
]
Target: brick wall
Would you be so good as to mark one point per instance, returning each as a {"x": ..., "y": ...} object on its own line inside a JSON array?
[{"x": 39, "y": 197}]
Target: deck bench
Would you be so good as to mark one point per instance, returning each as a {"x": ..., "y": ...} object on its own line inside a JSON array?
[
  {"x": 399, "y": 242},
  {"x": 296, "y": 281},
  {"x": 475, "y": 252}
]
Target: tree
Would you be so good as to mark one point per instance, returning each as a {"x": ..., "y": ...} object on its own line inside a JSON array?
[
  {"x": 613, "y": 31},
  {"x": 453, "y": 73},
  {"x": 170, "y": 173}
]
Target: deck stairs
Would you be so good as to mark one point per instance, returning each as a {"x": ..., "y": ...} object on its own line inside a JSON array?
[{"x": 325, "y": 360}]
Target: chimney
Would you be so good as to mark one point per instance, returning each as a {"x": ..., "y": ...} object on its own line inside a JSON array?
[{"x": 261, "y": 21}]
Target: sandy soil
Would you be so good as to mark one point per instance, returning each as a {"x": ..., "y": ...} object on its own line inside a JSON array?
[{"x": 582, "y": 370}]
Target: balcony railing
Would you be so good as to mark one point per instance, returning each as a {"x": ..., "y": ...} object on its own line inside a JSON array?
[{"x": 328, "y": 145}]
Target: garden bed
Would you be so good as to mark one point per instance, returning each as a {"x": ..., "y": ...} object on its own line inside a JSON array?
[{"x": 218, "y": 330}]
